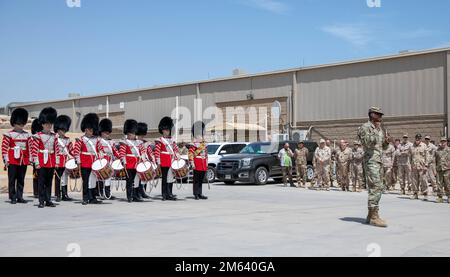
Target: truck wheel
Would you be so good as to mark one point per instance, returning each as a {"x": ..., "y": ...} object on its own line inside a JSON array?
[
  {"x": 261, "y": 176},
  {"x": 210, "y": 175},
  {"x": 229, "y": 183},
  {"x": 310, "y": 173}
]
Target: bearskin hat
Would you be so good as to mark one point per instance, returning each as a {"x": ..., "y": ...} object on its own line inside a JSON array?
[
  {"x": 90, "y": 121},
  {"x": 48, "y": 115},
  {"x": 165, "y": 124},
  {"x": 142, "y": 129},
  {"x": 198, "y": 129},
  {"x": 36, "y": 127},
  {"x": 130, "y": 127},
  {"x": 106, "y": 125},
  {"x": 19, "y": 117},
  {"x": 62, "y": 123}
]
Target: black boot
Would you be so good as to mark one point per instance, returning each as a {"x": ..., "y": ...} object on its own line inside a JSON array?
[
  {"x": 94, "y": 199},
  {"x": 142, "y": 192},
  {"x": 171, "y": 195},
  {"x": 108, "y": 193},
  {"x": 65, "y": 196},
  {"x": 136, "y": 195}
]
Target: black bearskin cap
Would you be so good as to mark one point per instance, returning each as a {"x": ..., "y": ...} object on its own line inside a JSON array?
[
  {"x": 106, "y": 125},
  {"x": 48, "y": 115},
  {"x": 130, "y": 127},
  {"x": 36, "y": 127},
  {"x": 19, "y": 117},
  {"x": 62, "y": 123},
  {"x": 165, "y": 124},
  {"x": 198, "y": 129},
  {"x": 142, "y": 129},
  {"x": 90, "y": 121}
]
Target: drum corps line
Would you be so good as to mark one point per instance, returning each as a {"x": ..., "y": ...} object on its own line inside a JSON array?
[{"x": 96, "y": 160}]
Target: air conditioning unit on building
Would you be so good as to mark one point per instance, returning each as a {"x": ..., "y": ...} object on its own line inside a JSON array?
[
  {"x": 281, "y": 137},
  {"x": 299, "y": 135}
]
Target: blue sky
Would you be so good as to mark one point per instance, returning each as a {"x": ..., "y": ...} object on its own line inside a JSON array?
[{"x": 48, "y": 50}]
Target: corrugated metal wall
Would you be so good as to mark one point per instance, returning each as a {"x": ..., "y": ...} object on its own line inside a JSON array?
[{"x": 402, "y": 87}]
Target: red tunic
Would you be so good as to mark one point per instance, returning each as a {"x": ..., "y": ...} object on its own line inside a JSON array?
[
  {"x": 45, "y": 145},
  {"x": 199, "y": 157},
  {"x": 130, "y": 153},
  {"x": 22, "y": 142},
  {"x": 163, "y": 155},
  {"x": 65, "y": 149},
  {"x": 84, "y": 152}
]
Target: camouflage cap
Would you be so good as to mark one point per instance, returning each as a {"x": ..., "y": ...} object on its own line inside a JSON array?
[
  {"x": 443, "y": 139},
  {"x": 356, "y": 142},
  {"x": 376, "y": 110},
  {"x": 427, "y": 137},
  {"x": 418, "y": 136},
  {"x": 322, "y": 141},
  {"x": 405, "y": 136}
]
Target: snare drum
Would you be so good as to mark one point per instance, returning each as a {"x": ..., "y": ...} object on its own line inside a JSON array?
[
  {"x": 146, "y": 171},
  {"x": 73, "y": 169},
  {"x": 120, "y": 173},
  {"x": 180, "y": 169},
  {"x": 102, "y": 169}
]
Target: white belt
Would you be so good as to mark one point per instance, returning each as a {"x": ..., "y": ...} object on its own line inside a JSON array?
[
  {"x": 200, "y": 157},
  {"x": 45, "y": 151},
  {"x": 166, "y": 153},
  {"x": 132, "y": 156},
  {"x": 87, "y": 153}
]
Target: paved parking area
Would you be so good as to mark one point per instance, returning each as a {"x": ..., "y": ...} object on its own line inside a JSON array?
[{"x": 238, "y": 220}]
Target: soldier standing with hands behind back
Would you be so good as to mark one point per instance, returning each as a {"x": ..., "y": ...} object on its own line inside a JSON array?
[{"x": 373, "y": 140}]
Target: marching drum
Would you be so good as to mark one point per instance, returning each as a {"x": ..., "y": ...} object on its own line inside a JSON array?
[
  {"x": 102, "y": 169},
  {"x": 146, "y": 171},
  {"x": 73, "y": 169},
  {"x": 180, "y": 169},
  {"x": 120, "y": 173}
]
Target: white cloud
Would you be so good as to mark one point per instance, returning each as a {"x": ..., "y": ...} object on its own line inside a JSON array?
[
  {"x": 273, "y": 6},
  {"x": 356, "y": 34}
]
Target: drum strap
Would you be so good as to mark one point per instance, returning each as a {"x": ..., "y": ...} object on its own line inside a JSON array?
[
  {"x": 134, "y": 146},
  {"x": 92, "y": 146},
  {"x": 63, "y": 146},
  {"x": 107, "y": 143},
  {"x": 168, "y": 146}
]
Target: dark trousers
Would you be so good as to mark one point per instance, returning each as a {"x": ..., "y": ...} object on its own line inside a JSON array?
[
  {"x": 45, "y": 181},
  {"x": 59, "y": 172},
  {"x": 130, "y": 183},
  {"x": 199, "y": 176},
  {"x": 16, "y": 181},
  {"x": 88, "y": 194},
  {"x": 166, "y": 188},
  {"x": 103, "y": 190},
  {"x": 35, "y": 181}
]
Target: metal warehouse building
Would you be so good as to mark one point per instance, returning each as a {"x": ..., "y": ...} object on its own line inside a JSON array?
[{"x": 330, "y": 100}]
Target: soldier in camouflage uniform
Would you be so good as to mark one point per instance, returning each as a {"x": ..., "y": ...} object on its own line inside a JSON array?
[
  {"x": 332, "y": 171},
  {"x": 395, "y": 163},
  {"x": 388, "y": 163},
  {"x": 343, "y": 160},
  {"x": 431, "y": 174},
  {"x": 301, "y": 162},
  {"x": 357, "y": 166},
  {"x": 442, "y": 159},
  {"x": 420, "y": 163},
  {"x": 404, "y": 163},
  {"x": 322, "y": 162},
  {"x": 373, "y": 140}
]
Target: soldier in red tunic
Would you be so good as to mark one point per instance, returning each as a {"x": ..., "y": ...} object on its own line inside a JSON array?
[
  {"x": 65, "y": 153},
  {"x": 87, "y": 150},
  {"x": 141, "y": 133},
  {"x": 198, "y": 158},
  {"x": 35, "y": 128},
  {"x": 111, "y": 154},
  {"x": 130, "y": 154},
  {"x": 16, "y": 148},
  {"x": 44, "y": 152},
  {"x": 166, "y": 151}
]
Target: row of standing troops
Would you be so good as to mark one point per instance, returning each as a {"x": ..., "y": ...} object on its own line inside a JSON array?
[{"x": 48, "y": 150}]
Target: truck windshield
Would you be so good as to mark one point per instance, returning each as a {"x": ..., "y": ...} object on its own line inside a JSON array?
[
  {"x": 212, "y": 149},
  {"x": 258, "y": 148}
]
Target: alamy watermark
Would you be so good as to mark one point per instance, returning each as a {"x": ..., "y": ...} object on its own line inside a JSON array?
[
  {"x": 73, "y": 3},
  {"x": 374, "y": 3}
]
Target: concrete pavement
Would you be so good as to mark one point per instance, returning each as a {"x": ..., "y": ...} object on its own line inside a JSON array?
[{"x": 237, "y": 220}]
